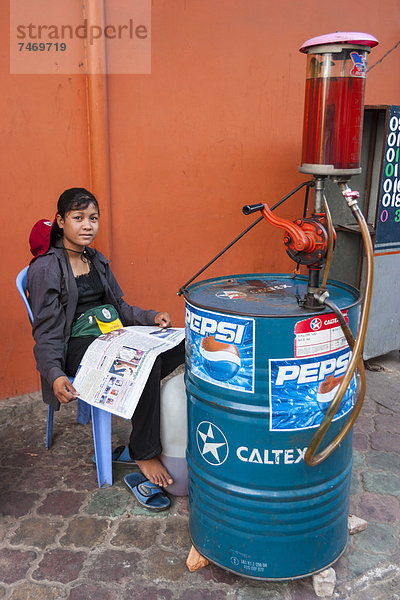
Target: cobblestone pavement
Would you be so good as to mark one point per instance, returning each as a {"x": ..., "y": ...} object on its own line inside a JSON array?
[{"x": 63, "y": 538}]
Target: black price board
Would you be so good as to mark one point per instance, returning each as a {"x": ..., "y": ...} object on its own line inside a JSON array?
[{"x": 388, "y": 223}]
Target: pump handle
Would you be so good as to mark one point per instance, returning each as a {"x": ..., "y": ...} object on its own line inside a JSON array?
[
  {"x": 251, "y": 208},
  {"x": 300, "y": 241}
]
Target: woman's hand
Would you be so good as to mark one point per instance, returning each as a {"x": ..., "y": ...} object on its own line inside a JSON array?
[
  {"x": 162, "y": 319},
  {"x": 64, "y": 390}
]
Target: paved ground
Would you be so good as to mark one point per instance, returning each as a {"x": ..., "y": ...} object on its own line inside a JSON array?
[{"x": 63, "y": 538}]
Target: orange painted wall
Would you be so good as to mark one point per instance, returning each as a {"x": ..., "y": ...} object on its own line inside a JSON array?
[{"x": 216, "y": 125}]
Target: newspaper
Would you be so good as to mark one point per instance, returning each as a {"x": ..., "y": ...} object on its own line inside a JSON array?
[{"x": 116, "y": 366}]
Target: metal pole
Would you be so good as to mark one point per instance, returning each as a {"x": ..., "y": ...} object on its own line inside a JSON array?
[{"x": 98, "y": 123}]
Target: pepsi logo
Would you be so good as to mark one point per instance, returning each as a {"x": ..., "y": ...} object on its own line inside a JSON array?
[
  {"x": 316, "y": 324},
  {"x": 222, "y": 330},
  {"x": 221, "y": 361}
]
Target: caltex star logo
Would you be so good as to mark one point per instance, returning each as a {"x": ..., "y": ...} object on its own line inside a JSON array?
[
  {"x": 212, "y": 443},
  {"x": 316, "y": 324}
]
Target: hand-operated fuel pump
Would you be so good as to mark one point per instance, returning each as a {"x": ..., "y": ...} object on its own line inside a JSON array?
[
  {"x": 332, "y": 136},
  {"x": 272, "y": 361}
]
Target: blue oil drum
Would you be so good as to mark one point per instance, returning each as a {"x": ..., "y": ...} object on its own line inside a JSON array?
[{"x": 260, "y": 373}]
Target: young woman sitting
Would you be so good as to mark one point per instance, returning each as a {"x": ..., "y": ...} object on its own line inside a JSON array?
[{"x": 65, "y": 279}]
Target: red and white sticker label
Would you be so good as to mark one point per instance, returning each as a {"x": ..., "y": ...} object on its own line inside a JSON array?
[{"x": 319, "y": 335}]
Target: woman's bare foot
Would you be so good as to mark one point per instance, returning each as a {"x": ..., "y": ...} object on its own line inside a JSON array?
[{"x": 155, "y": 471}]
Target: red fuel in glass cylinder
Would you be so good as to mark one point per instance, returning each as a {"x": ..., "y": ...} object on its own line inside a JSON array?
[
  {"x": 334, "y": 105},
  {"x": 334, "y": 117}
]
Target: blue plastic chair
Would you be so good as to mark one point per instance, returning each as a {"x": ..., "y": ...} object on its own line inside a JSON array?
[{"x": 101, "y": 419}]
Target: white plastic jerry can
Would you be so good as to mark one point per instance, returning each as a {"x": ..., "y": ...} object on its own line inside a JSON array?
[{"x": 173, "y": 430}]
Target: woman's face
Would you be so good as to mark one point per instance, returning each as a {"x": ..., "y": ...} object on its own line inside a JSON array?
[{"x": 80, "y": 227}]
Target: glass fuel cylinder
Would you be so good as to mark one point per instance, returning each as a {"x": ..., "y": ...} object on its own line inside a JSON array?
[{"x": 334, "y": 103}]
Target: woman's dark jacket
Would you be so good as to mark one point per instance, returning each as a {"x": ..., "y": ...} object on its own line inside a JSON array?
[{"x": 53, "y": 296}]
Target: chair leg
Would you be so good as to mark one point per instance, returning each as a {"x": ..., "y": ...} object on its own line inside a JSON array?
[
  {"x": 101, "y": 423},
  {"x": 83, "y": 412},
  {"x": 49, "y": 427}
]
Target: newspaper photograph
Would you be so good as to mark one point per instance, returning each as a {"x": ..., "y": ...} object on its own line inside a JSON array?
[{"x": 116, "y": 366}]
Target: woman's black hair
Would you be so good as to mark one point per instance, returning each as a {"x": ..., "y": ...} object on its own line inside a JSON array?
[{"x": 72, "y": 199}]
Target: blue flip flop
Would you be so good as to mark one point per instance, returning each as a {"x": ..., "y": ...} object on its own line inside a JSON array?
[
  {"x": 149, "y": 495},
  {"x": 120, "y": 456}
]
